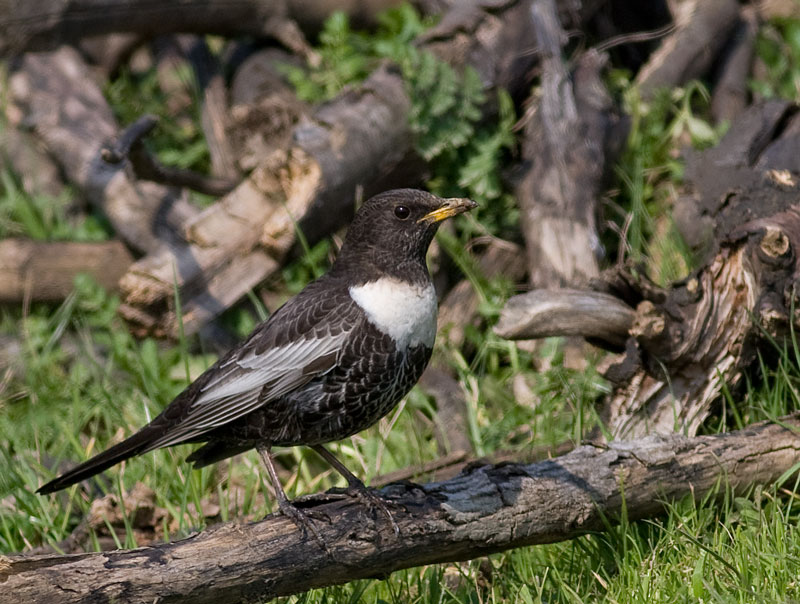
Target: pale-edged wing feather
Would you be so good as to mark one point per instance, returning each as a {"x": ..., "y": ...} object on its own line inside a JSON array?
[{"x": 299, "y": 342}]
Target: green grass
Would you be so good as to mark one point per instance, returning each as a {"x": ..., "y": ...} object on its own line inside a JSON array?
[{"x": 82, "y": 382}]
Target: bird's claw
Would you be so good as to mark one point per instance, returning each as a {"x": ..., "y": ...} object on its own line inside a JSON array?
[
  {"x": 303, "y": 522},
  {"x": 370, "y": 498}
]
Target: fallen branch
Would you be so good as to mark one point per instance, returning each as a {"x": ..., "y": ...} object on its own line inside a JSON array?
[
  {"x": 703, "y": 27},
  {"x": 129, "y": 146},
  {"x": 452, "y": 464},
  {"x": 487, "y": 509},
  {"x": 572, "y": 135},
  {"x": 47, "y": 24},
  {"x": 36, "y": 270}
]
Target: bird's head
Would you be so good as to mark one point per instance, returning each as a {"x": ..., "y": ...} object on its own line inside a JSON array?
[{"x": 395, "y": 228}]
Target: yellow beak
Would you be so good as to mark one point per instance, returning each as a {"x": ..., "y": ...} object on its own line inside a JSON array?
[{"x": 450, "y": 207}]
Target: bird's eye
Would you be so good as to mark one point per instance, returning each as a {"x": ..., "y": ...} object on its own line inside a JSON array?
[{"x": 402, "y": 212}]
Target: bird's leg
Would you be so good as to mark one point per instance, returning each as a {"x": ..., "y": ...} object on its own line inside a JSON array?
[
  {"x": 296, "y": 515},
  {"x": 356, "y": 488}
]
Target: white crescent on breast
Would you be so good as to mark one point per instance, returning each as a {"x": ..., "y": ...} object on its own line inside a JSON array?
[{"x": 405, "y": 311}]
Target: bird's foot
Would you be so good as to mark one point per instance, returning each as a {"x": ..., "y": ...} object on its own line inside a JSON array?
[
  {"x": 303, "y": 522},
  {"x": 370, "y": 498}
]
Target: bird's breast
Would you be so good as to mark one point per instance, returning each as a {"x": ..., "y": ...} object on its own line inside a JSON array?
[{"x": 405, "y": 311}]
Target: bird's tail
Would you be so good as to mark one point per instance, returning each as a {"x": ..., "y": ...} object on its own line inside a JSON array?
[{"x": 133, "y": 445}]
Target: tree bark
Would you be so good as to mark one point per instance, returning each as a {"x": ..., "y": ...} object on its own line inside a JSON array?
[
  {"x": 352, "y": 143},
  {"x": 484, "y": 510},
  {"x": 36, "y": 270}
]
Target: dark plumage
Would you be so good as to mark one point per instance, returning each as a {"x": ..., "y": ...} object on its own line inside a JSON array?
[{"x": 330, "y": 362}]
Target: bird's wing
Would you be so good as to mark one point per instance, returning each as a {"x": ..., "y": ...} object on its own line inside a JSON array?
[{"x": 299, "y": 342}]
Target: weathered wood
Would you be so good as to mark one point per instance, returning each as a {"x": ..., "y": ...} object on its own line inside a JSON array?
[
  {"x": 350, "y": 144},
  {"x": 703, "y": 334},
  {"x": 37, "y": 270},
  {"x": 572, "y": 134},
  {"x": 545, "y": 313},
  {"x": 486, "y": 509},
  {"x": 264, "y": 107},
  {"x": 452, "y": 464},
  {"x": 703, "y": 28},
  {"x": 44, "y": 86},
  {"x": 25, "y": 156}
]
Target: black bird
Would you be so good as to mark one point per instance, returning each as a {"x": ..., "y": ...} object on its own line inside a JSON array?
[{"x": 329, "y": 363}]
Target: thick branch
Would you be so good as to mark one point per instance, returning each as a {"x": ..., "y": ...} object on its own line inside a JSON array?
[
  {"x": 487, "y": 509},
  {"x": 572, "y": 134}
]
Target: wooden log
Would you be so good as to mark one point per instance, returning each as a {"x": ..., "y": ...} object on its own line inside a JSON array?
[
  {"x": 144, "y": 215},
  {"x": 705, "y": 333},
  {"x": 37, "y": 270},
  {"x": 702, "y": 335},
  {"x": 486, "y": 509},
  {"x": 350, "y": 144},
  {"x": 702, "y": 29},
  {"x": 25, "y": 156},
  {"x": 572, "y": 135}
]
